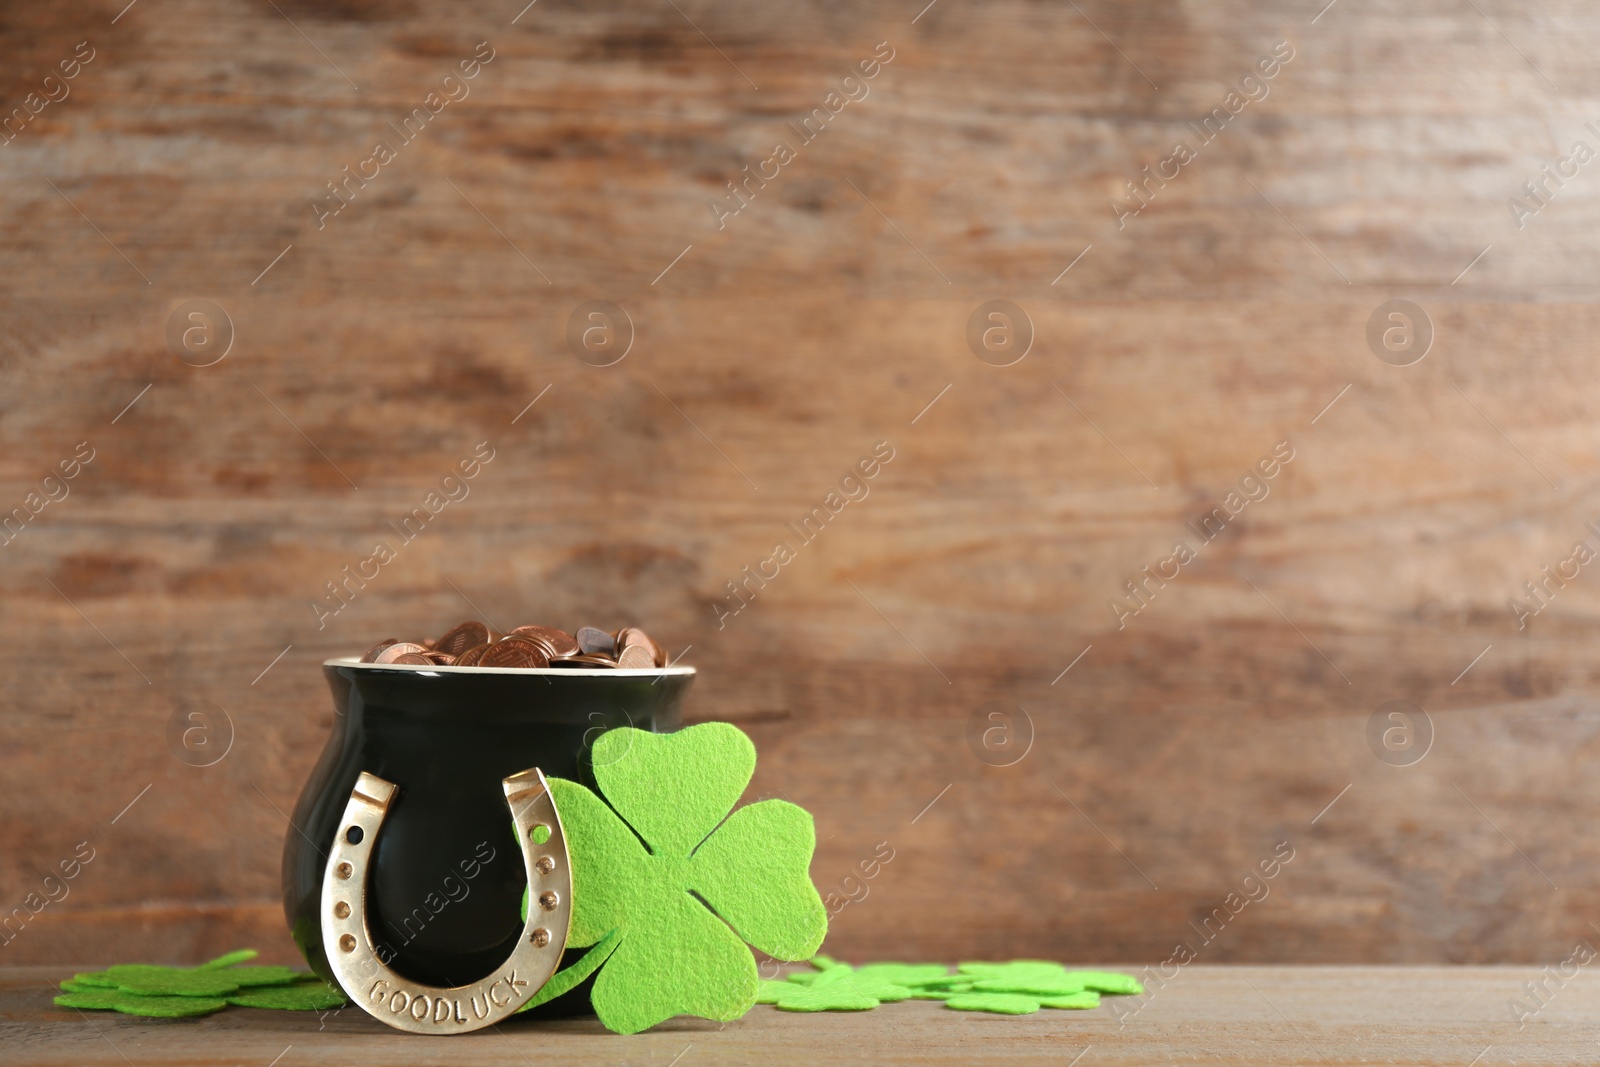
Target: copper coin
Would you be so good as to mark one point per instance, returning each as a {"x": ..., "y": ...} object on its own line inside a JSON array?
[
  {"x": 442, "y": 659},
  {"x": 636, "y": 658},
  {"x": 632, "y": 635},
  {"x": 395, "y": 651},
  {"x": 414, "y": 659},
  {"x": 514, "y": 652},
  {"x": 458, "y": 639},
  {"x": 586, "y": 661},
  {"x": 544, "y": 645},
  {"x": 372, "y": 653},
  {"x": 471, "y": 656},
  {"x": 591, "y": 640},
  {"x": 561, "y": 643}
]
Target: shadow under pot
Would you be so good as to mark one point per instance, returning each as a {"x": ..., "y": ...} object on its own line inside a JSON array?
[{"x": 446, "y": 877}]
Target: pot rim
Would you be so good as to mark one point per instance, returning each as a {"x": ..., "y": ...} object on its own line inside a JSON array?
[{"x": 581, "y": 672}]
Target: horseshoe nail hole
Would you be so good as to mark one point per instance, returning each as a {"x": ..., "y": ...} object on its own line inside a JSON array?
[
  {"x": 540, "y": 937},
  {"x": 348, "y": 943},
  {"x": 343, "y": 870},
  {"x": 341, "y": 910},
  {"x": 354, "y": 835},
  {"x": 540, "y": 834},
  {"x": 544, "y": 865},
  {"x": 548, "y": 900}
]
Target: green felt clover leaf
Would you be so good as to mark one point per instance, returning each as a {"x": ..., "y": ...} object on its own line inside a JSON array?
[
  {"x": 768, "y": 990},
  {"x": 568, "y": 980},
  {"x": 1019, "y": 987},
  {"x": 903, "y": 974},
  {"x": 1087, "y": 999},
  {"x": 838, "y": 996},
  {"x": 1019, "y": 1003},
  {"x": 251, "y": 977},
  {"x": 301, "y": 996},
  {"x": 684, "y": 884},
  {"x": 1043, "y": 978},
  {"x": 242, "y": 955},
  {"x": 1042, "y": 986},
  {"x": 912, "y": 975},
  {"x": 941, "y": 993},
  {"x": 156, "y": 1007},
  {"x": 997, "y": 1003},
  {"x": 948, "y": 981},
  {"x": 1108, "y": 982},
  {"x": 172, "y": 992},
  {"x": 673, "y": 789},
  {"x": 152, "y": 980},
  {"x": 1011, "y": 969},
  {"x": 838, "y": 987}
]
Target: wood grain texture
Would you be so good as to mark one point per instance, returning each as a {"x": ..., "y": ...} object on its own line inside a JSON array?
[
  {"x": 1278, "y": 1015},
  {"x": 376, "y": 350}
]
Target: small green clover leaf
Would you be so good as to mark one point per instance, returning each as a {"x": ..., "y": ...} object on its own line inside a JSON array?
[
  {"x": 821, "y": 963},
  {"x": 837, "y": 996},
  {"x": 241, "y": 955},
  {"x": 913, "y": 975},
  {"x": 1011, "y": 969},
  {"x": 300, "y": 996},
  {"x": 1108, "y": 982},
  {"x": 151, "y": 980},
  {"x": 683, "y": 883},
  {"x": 769, "y": 990},
  {"x": 1077, "y": 1001},
  {"x": 1020, "y": 987},
  {"x": 90, "y": 979},
  {"x": 174, "y": 992},
  {"x": 940, "y": 992},
  {"x": 1039, "y": 986},
  {"x": 840, "y": 987},
  {"x": 1019, "y": 1003},
  {"x": 995, "y": 1003},
  {"x": 155, "y": 1007},
  {"x": 1044, "y": 978}
]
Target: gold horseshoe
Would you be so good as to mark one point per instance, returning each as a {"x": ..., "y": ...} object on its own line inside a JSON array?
[{"x": 424, "y": 1009}]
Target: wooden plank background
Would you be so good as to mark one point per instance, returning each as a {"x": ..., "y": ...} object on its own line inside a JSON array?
[{"x": 770, "y": 355}]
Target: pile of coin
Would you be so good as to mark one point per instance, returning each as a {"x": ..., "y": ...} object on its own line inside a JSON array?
[{"x": 472, "y": 644}]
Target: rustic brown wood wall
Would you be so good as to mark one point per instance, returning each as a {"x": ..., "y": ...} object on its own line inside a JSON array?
[{"x": 377, "y": 348}]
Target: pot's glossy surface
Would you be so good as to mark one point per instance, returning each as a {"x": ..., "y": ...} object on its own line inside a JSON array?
[{"x": 446, "y": 883}]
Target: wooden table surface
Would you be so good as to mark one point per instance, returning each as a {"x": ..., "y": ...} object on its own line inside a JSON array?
[{"x": 1277, "y": 1015}]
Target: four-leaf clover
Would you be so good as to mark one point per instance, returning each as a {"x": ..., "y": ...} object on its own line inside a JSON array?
[{"x": 681, "y": 882}]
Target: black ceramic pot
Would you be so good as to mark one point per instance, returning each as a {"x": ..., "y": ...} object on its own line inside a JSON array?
[{"x": 446, "y": 879}]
